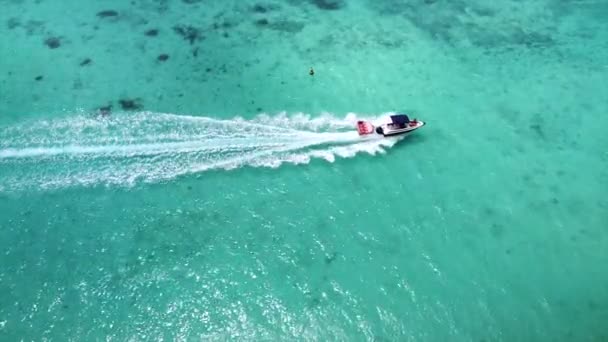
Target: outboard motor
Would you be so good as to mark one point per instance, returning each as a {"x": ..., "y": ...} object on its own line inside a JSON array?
[{"x": 379, "y": 130}]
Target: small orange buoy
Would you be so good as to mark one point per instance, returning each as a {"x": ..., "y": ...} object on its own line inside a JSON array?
[{"x": 311, "y": 72}]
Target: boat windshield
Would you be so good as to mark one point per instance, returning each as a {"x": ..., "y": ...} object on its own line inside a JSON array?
[{"x": 400, "y": 119}]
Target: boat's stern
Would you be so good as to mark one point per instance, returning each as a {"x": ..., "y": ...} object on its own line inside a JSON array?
[{"x": 389, "y": 129}]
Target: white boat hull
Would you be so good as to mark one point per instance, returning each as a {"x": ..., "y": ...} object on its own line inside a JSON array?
[
  {"x": 388, "y": 130},
  {"x": 400, "y": 124}
]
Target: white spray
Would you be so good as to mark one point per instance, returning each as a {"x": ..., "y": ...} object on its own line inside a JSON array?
[{"x": 148, "y": 147}]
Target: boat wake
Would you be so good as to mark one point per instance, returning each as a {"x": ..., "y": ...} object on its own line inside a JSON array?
[{"x": 149, "y": 147}]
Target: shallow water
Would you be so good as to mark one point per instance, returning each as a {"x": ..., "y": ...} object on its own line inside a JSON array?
[{"x": 219, "y": 192}]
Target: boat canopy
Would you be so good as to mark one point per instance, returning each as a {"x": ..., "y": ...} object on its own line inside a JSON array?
[{"x": 400, "y": 119}]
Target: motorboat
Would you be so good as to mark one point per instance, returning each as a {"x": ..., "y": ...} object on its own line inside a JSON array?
[{"x": 399, "y": 124}]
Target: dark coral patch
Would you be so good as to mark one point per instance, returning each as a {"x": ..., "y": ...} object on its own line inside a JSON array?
[
  {"x": 530, "y": 39},
  {"x": 538, "y": 129},
  {"x": 287, "y": 26},
  {"x": 224, "y": 25},
  {"x": 53, "y": 42},
  {"x": 328, "y": 4},
  {"x": 151, "y": 33},
  {"x": 39, "y": 78},
  {"x": 330, "y": 258},
  {"x": 263, "y": 8},
  {"x": 12, "y": 23},
  {"x": 188, "y": 33},
  {"x": 30, "y": 27},
  {"x": 107, "y": 14},
  {"x": 497, "y": 230},
  {"x": 162, "y": 57},
  {"x": 442, "y": 23},
  {"x": 77, "y": 84},
  {"x": 258, "y": 8},
  {"x": 105, "y": 110},
  {"x": 130, "y": 104},
  {"x": 261, "y": 22}
]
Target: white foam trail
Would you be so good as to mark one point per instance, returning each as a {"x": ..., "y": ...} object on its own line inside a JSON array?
[{"x": 151, "y": 147}]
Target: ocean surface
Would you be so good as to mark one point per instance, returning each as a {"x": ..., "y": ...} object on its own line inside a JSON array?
[{"x": 170, "y": 170}]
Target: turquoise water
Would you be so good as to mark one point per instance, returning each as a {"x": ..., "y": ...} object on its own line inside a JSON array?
[{"x": 169, "y": 170}]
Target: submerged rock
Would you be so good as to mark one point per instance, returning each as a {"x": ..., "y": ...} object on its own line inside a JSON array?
[
  {"x": 287, "y": 26},
  {"x": 151, "y": 33},
  {"x": 12, "y": 23},
  {"x": 131, "y": 104},
  {"x": 263, "y": 8},
  {"x": 188, "y": 33},
  {"x": 53, "y": 42},
  {"x": 261, "y": 22},
  {"x": 328, "y": 4},
  {"x": 107, "y": 13},
  {"x": 105, "y": 110}
]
